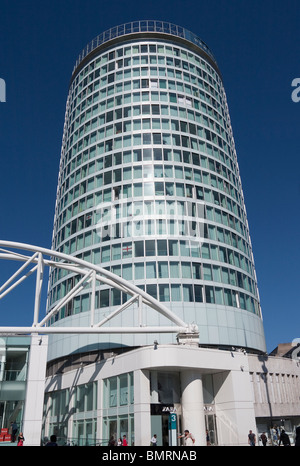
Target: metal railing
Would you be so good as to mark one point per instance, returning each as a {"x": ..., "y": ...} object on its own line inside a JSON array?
[
  {"x": 143, "y": 26},
  {"x": 78, "y": 442}
]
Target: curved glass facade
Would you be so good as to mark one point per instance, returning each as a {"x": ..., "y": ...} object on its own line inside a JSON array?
[{"x": 149, "y": 185}]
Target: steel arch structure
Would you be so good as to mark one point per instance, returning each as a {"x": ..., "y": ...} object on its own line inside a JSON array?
[{"x": 35, "y": 259}]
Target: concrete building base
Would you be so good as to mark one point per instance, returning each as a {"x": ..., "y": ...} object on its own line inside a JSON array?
[{"x": 231, "y": 395}]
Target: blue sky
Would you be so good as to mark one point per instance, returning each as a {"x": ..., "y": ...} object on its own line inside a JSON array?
[{"x": 257, "y": 46}]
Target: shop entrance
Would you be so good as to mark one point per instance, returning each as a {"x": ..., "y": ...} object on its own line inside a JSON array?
[{"x": 160, "y": 424}]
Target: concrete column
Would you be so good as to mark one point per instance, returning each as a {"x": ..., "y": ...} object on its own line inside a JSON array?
[
  {"x": 192, "y": 405},
  {"x": 33, "y": 412},
  {"x": 142, "y": 421},
  {"x": 2, "y": 357},
  {"x": 234, "y": 406}
]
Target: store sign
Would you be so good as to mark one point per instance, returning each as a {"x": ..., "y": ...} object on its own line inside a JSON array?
[
  {"x": 208, "y": 409},
  {"x": 172, "y": 429},
  {"x": 169, "y": 409}
]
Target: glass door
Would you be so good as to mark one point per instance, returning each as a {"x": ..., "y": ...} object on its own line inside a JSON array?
[{"x": 211, "y": 429}]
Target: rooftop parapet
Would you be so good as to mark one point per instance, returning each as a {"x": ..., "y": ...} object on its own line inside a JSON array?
[{"x": 145, "y": 26}]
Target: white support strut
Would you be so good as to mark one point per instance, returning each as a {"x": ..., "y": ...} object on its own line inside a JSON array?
[{"x": 90, "y": 274}]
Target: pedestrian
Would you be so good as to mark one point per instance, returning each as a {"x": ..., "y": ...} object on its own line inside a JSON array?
[
  {"x": 274, "y": 436},
  {"x": 112, "y": 441},
  {"x": 251, "y": 439},
  {"x": 284, "y": 439},
  {"x": 154, "y": 440},
  {"x": 207, "y": 438},
  {"x": 297, "y": 439},
  {"x": 188, "y": 438},
  {"x": 14, "y": 430},
  {"x": 263, "y": 439},
  {"x": 21, "y": 440},
  {"x": 119, "y": 442},
  {"x": 124, "y": 441},
  {"x": 52, "y": 442}
]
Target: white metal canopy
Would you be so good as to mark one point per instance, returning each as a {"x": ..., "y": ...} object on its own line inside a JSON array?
[{"x": 36, "y": 259}]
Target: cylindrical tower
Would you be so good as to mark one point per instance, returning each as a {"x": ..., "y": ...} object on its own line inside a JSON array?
[{"x": 149, "y": 187}]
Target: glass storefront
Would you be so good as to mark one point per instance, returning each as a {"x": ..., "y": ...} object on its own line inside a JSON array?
[
  {"x": 118, "y": 413},
  {"x": 71, "y": 415},
  {"x": 14, "y": 352},
  {"x": 165, "y": 399},
  {"x": 96, "y": 412},
  {"x": 165, "y": 393}
]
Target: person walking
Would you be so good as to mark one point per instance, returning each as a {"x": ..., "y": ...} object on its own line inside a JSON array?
[
  {"x": 263, "y": 439},
  {"x": 14, "y": 430},
  {"x": 251, "y": 439},
  {"x": 297, "y": 439},
  {"x": 274, "y": 436},
  {"x": 188, "y": 438},
  {"x": 53, "y": 442},
  {"x": 21, "y": 440},
  {"x": 112, "y": 441},
  {"x": 154, "y": 440},
  {"x": 284, "y": 439},
  {"x": 207, "y": 438}
]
